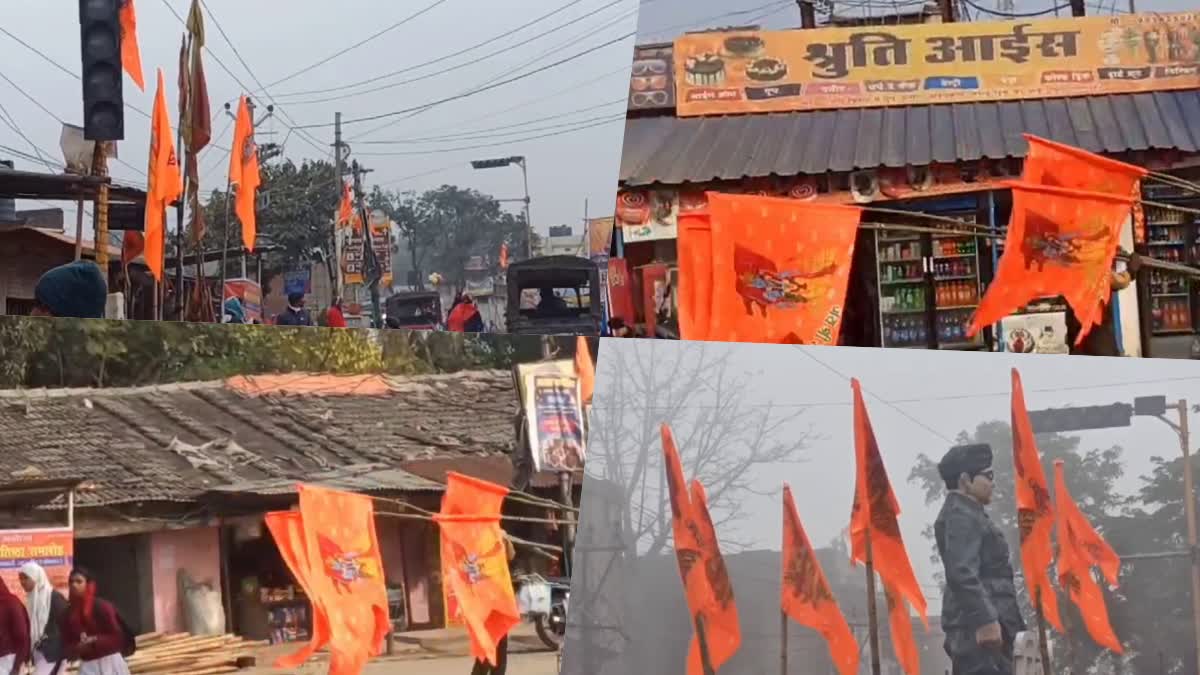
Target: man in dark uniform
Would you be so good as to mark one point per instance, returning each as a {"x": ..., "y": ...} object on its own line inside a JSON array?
[{"x": 980, "y": 615}]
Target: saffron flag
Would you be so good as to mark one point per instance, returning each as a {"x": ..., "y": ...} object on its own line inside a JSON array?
[
  {"x": 1035, "y": 514},
  {"x": 1058, "y": 165},
  {"x": 475, "y": 561},
  {"x": 131, "y": 55},
  {"x": 1080, "y": 548},
  {"x": 875, "y": 537},
  {"x": 132, "y": 245},
  {"x": 695, "y": 275},
  {"x": 345, "y": 207},
  {"x": 504, "y": 256},
  {"x": 585, "y": 369},
  {"x": 1059, "y": 242},
  {"x": 164, "y": 181},
  {"x": 693, "y": 557},
  {"x": 243, "y": 172},
  {"x": 805, "y": 595},
  {"x": 722, "y": 632},
  {"x": 195, "y": 114},
  {"x": 347, "y": 575},
  {"x": 779, "y": 268},
  {"x": 287, "y": 528}
]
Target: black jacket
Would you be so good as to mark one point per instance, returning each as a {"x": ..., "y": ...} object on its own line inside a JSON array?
[
  {"x": 293, "y": 318},
  {"x": 51, "y": 645},
  {"x": 979, "y": 572}
]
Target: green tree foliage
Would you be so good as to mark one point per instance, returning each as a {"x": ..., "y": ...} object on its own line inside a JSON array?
[{"x": 447, "y": 226}]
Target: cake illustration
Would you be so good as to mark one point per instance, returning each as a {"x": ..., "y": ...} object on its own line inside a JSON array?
[
  {"x": 744, "y": 46},
  {"x": 767, "y": 70},
  {"x": 704, "y": 70}
]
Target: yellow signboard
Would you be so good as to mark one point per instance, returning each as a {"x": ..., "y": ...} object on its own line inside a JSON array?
[{"x": 828, "y": 68}]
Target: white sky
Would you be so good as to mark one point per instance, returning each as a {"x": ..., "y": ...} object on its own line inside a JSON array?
[{"x": 564, "y": 169}]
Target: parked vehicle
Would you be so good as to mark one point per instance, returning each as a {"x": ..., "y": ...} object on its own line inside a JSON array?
[
  {"x": 554, "y": 295},
  {"x": 544, "y": 602},
  {"x": 414, "y": 310}
]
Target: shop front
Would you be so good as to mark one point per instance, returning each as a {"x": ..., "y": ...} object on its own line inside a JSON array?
[{"x": 885, "y": 142}]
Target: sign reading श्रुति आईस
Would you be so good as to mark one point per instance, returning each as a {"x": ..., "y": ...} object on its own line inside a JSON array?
[{"x": 921, "y": 64}]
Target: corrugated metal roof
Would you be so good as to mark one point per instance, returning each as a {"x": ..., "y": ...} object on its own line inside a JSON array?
[{"x": 673, "y": 150}]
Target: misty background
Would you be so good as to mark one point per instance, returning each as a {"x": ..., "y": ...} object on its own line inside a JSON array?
[{"x": 748, "y": 418}]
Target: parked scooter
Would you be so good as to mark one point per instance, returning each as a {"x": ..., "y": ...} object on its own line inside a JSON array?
[{"x": 544, "y": 601}]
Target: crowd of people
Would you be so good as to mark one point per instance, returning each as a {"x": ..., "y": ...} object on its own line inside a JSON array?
[{"x": 47, "y": 631}]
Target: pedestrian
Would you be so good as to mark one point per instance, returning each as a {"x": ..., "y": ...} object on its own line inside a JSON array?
[
  {"x": 46, "y": 609},
  {"x": 14, "y": 632},
  {"x": 465, "y": 316},
  {"x": 334, "y": 317},
  {"x": 617, "y": 328},
  {"x": 295, "y": 314},
  {"x": 483, "y": 667},
  {"x": 93, "y": 631},
  {"x": 76, "y": 290},
  {"x": 980, "y": 615},
  {"x": 233, "y": 311}
]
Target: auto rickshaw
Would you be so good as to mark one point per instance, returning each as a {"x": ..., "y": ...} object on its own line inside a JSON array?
[
  {"x": 414, "y": 310},
  {"x": 554, "y": 295}
]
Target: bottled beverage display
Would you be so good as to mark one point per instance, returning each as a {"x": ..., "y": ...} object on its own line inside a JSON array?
[
  {"x": 1171, "y": 314},
  {"x": 958, "y": 293},
  {"x": 952, "y": 327},
  {"x": 1171, "y": 236},
  {"x": 894, "y": 251},
  {"x": 900, "y": 271},
  {"x": 904, "y": 299},
  {"x": 954, "y": 247},
  {"x": 905, "y": 331}
]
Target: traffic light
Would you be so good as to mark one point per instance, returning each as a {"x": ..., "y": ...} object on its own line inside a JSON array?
[
  {"x": 494, "y": 163},
  {"x": 100, "y": 47},
  {"x": 1082, "y": 418}
]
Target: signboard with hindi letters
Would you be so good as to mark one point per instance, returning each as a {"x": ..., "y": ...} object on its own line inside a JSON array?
[
  {"x": 52, "y": 548},
  {"x": 922, "y": 64}
]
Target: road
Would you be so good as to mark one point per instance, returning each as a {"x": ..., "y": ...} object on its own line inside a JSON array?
[{"x": 540, "y": 663}]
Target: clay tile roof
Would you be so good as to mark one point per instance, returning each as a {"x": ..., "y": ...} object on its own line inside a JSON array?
[{"x": 176, "y": 442}]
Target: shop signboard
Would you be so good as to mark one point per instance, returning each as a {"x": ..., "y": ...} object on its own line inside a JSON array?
[
  {"x": 1035, "y": 333},
  {"x": 352, "y": 249},
  {"x": 249, "y": 293},
  {"x": 647, "y": 215},
  {"x": 723, "y": 73},
  {"x": 550, "y": 397},
  {"x": 52, "y": 548}
]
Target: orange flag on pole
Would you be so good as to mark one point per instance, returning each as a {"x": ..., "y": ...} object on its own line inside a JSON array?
[
  {"x": 347, "y": 580},
  {"x": 722, "y": 632},
  {"x": 700, "y": 563},
  {"x": 131, "y": 55},
  {"x": 695, "y": 275},
  {"x": 287, "y": 528},
  {"x": 1058, "y": 165},
  {"x": 165, "y": 183},
  {"x": 346, "y": 207},
  {"x": 1059, "y": 242},
  {"x": 874, "y": 522},
  {"x": 779, "y": 268},
  {"x": 805, "y": 594},
  {"x": 475, "y": 561},
  {"x": 1035, "y": 514},
  {"x": 243, "y": 172},
  {"x": 585, "y": 369},
  {"x": 1080, "y": 548}
]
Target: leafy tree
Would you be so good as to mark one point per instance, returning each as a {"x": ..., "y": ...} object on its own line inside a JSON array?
[
  {"x": 1091, "y": 478},
  {"x": 447, "y": 226}
]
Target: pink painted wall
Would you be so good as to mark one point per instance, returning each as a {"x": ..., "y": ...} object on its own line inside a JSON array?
[{"x": 195, "y": 549}]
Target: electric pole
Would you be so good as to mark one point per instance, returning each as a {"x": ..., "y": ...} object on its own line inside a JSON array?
[{"x": 340, "y": 150}]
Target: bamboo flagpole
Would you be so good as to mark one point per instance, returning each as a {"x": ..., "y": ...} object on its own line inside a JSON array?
[
  {"x": 702, "y": 639},
  {"x": 783, "y": 642},
  {"x": 872, "y": 611},
  {"x": 1043, "y": 644}
]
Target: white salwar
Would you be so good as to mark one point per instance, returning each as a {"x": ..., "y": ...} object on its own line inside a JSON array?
[
  {"x": 113, "y": 664},
  {"x": 6, "y": 663},
  {"x": 43, "y": 667}
]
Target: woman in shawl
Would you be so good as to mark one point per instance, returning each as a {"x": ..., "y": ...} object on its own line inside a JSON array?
[
  {"x": 14, "y": 633},
  {"x": 92, "y": 630},
  {"x": 46, "y": 611}
]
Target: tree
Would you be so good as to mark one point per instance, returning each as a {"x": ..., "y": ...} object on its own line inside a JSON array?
[
  {"x": 300, "y": 201},
  {"x": 447, "y": 226},
  {"x": 1091, "y": 478}
]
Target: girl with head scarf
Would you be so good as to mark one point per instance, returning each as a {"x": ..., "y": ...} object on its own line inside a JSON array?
[
  {"x": 93, "y": 631},
  {"x": 14, "y": 633},
  {"x": 46, "y": 611}
]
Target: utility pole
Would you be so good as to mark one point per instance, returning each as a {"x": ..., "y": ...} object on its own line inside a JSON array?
[
  {"x": 339, "y": 155},
  {"x": 368, "y": 244},
  {"x": 808, "y": 14}
]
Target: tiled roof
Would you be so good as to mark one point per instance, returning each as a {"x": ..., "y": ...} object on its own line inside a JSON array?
[
  {"x": 175, "y": 442},
  {"x": 671, "y": 150}
]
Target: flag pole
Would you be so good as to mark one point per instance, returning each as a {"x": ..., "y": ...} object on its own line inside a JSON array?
[
  {"x": 1043, "y": 645},
  {"x": 179, "y": 210},
  {"x": 701, "y": 637},
  {"x": 783, "y": 645},
  {"x": 872, "y": 613}
]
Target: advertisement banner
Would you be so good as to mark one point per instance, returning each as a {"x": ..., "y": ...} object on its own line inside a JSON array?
[
  {"x": 647, "y": 215},
  {"x": 249, "y": 293},
  {"x": 52, "y": 548},
  {"x": 550, "y": 394},
  {"x": 620, "y": 291},
  {"x": 921, "y": 64},
  {"x": 352, "y": 250}
]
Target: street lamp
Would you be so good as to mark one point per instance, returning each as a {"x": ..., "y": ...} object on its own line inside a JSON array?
[{"x": 517, "y": 160}]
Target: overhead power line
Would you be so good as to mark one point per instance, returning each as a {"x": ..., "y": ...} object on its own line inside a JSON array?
[
  {"x": 466, "y": 94},
  {"x": 499, "y": 130},
  {"x": 439, "y": 151},
  {"x": 356, "y": 45}
]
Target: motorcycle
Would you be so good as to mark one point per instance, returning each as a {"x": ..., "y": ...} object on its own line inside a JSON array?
[{"x": 544, "y": 601}]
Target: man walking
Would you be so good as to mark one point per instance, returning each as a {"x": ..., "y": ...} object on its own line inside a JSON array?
[{"x": 980, "y": 615}]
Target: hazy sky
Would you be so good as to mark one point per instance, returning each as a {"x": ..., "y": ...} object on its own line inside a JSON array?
[
  {"x": 934, "y": 395},
  {"x": 565, "y": 168}
]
